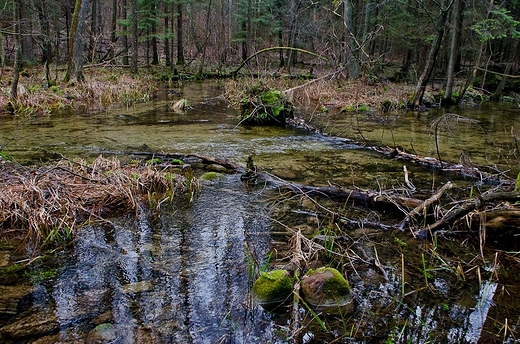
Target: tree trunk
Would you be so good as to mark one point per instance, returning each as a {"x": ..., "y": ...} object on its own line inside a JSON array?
[
  {"x": 205, "y": 43},
  {"x": 350, "y": 59},
  {"x": 509, "y": 65},
  {"x": 45, "y": 27},
  {"x": 168, "y": 61},
  {"x": 155, "y": 54},
  {"x": 13, "y": 92},
  {"x": 478, "y": 58},
  {"x": 180, "y": 43},
  {"x": 75, "y": 64},
  {"x": 94, "y": 29},
  {"x": 432, "y": 56},
  {"x": 113, "y": 31},
  {"x": 135, "y": 49},
  {"x": 292, "y": 24},
  {"x": 26, "y": 32},
  {"x": 126, "y": 61},
  {"x": 458, "y": 8}
]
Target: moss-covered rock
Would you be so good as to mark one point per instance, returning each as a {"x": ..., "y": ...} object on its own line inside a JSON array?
[
  {"x": 326, "y": 287},
  {"x": 211, "y": 177},
  {"x": 273, "y": 288}
]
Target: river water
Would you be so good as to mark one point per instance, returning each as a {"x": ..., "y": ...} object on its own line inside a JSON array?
[{"x": 184, "y": 276}]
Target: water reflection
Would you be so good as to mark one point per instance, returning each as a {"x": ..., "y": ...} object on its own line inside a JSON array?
[{"x": 180, "y": 279}]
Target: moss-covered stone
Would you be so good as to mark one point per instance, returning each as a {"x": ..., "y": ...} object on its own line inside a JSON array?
[
  {"x": 326, "y": 287},
  {"x": 274, "y": 286},
  {"x": 211, "y": 177}
]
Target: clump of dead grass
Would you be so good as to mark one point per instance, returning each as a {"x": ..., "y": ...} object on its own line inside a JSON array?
[
  {"x": 49, "y": 203},
  {"x": 102, "y": 88},
  {"x": 333, "y": 92}
]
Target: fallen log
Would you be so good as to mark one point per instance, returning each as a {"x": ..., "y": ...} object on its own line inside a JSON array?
[
  {"x": 367, "y": 198},
  {"x": 475, "y": 203}
]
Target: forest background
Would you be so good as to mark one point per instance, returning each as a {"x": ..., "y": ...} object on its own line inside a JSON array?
[{"x": 410, "y": 41}]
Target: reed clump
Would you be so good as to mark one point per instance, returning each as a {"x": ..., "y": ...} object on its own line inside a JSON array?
[{"x": 47, "y": 204}]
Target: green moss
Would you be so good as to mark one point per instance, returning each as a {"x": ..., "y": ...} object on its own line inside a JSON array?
[
  {"x": 336, "y": 285},
  {"x": 273, "y": 286},
  {"x": 154, "y": 161},
  {"x": 211, "y": 176}
]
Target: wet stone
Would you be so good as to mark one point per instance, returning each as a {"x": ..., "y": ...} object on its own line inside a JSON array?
[
  {"x": 137, "y": 287},
  {"x": 102, "y": 333},
  {"x": 326, "y": 288},
  {"x": 5, "y": 256},
  {"x": 38, "y": 323},
  {"x": 11, "y": 297}
]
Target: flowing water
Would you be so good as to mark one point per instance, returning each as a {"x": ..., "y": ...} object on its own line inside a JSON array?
[{"x": 184, "y": 276}]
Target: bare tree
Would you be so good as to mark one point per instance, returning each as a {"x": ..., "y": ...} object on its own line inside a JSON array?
[{"x": 350, "y": 41}]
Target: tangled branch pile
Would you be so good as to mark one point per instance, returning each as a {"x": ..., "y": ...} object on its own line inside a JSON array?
[{"x": 49, "y": 203}]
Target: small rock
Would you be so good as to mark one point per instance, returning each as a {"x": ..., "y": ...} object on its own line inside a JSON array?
[
  {"x": 273, "y": 288},
  {"x": 102, "y": 333},
  {"x": 326, "y": 289}
]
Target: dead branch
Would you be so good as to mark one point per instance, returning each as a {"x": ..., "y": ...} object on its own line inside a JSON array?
[
  {"x": 423, "y": 207},
  {"x": 473, "y": 204}
]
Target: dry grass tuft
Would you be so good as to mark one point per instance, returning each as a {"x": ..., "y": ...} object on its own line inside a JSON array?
[
  {"x": 49, "y": 203},
  {"x": 102, "y": 87},
  {"x": 334, "y": 93}
]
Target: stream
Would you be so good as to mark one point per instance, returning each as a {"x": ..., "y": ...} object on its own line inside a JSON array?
[{"x": 184, "y": 276}]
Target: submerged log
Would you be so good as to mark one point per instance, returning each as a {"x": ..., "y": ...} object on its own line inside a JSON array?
[{"x": 474, "y": 172}]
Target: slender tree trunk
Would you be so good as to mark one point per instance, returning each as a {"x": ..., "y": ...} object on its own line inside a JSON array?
[
  {"x": 350, "y": 58},
  {"x": 94, "y": 29},
  {"x": 180, "y": 33},
  {"x": 155, "y": 54},
  {"x": 458, "y": 8},
  {"x": 135, "y": 49},
  {"x": 512, "y": 51},
  {"x": 124, "y": 39},
  {"x": 292, "y": 24},
  {"x": 45, "y": 27},
  {"x": 168, "y": 61},
  {"x": 478, "y": 58},
  {"x": 432, "y": 56},
  {"x": 205, "y": 43},
  {"x": 13, "y": 92},
  {"x": 113, "y": 31}
]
